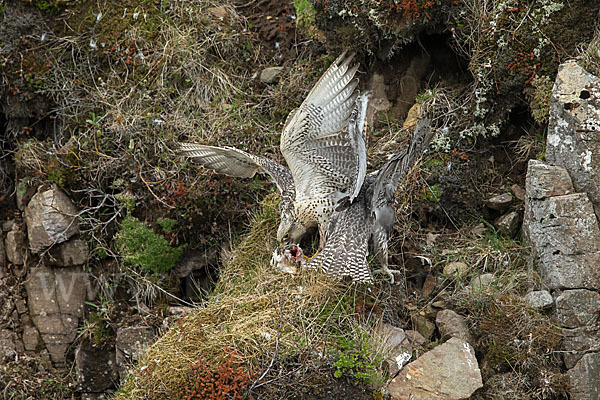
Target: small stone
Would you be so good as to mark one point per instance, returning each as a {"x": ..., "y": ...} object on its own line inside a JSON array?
[
  {"x": 456, "y": 269},
  {"x": 31, "y": 338},
  {"x": 218, "y": 12},
  {"x": 577, "y": 308},
  {"x": 451, "y": 324},
  {"x": 270, "y": 74},
  {"x": 20, "y": 305},
  {"x": 500, "y": 202},
  {"x": 482, "y": 282},
  {"x": 394, "y": 336},
  {"x": 508, "y": 224},
  {"x": 518, "y": 191},
  {"x": 3, "y": 270},
  {"x": 449, "y": 371},
  {"x": 15, "y": 246},
  {"x": 584, "y": 377},
  {"x": 539, "y": 299},
  {"x": 428, "y": 286},
  {"x": 415, "y": 338},
  {"x": 423, "y": 325}
]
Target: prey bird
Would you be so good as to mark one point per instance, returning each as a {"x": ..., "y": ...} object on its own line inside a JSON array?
[
  {"x": 369, "y": 219},
  {"x": 324, "y": 147}
]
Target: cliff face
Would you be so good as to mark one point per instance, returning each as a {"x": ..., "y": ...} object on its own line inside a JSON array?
[{"x": 94, "y": 97}]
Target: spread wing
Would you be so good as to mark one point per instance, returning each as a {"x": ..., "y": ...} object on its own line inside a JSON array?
[
  {"x": 323, "y": 142},
  {"x": 396, "y": 168},
  {"x": 233, "y": 162}
]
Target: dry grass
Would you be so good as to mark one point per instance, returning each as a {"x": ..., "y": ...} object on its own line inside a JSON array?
[{"x": 279, "y": 324}]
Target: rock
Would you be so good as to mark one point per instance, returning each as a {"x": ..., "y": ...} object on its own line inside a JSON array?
[
  {"x": 539, "y": 299},
  {"x": 398, "y": 347},
  {"x": 270, "y": 74},
  {"x": 16, "y": 246},
  {"x": 543, "y": 181},
  {"x": 379, "y": 100},
  {"x": 451, "y": 324},
  {"x": 428, "y": 285},
  {"x": 482, "y": 282},
  {"x": 574, "y": 123},
  {"x": 500, "y": 202},
  {"x": 56, "y": 300},
  {"x": 73, "y": 252},
  {"x": 565, "y": 239},
  {"x": 518, "y": 192},
  {"x": 31, "y": 338},
  {"x": 423, "y": 325},
  {"x": 576, "y": 342},
  {"x": 131, "y": 342},
  {"x": 95, "y": 367},
  {"x": 51, "y": 219},
  {"x": 449, "y": 371},
  {"x": 415, "y": 338},
  {"x": 8, "y": 348},
  {"x": 577, "y": 308},
  {"x": 562, "y": 229},
  {"x": 508, "y": 224},
  {"x": 20, "y": 305},
  {"x": 584, "y": 379},
  {"x": 456, "y": 269}
]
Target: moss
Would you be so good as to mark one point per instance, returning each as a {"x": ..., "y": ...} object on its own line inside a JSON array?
[{"x": 141, "y": 246}]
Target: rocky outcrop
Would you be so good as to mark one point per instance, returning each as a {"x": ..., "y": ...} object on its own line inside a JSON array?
[
  {"x": 449, "y": 371},
  {"x": 562, "y": 229},
  {"x": 584, "y": 378},
  {"x": 73, "y": 252},
  {"x": 51, "y": 218},
  {"x": 573, "y": 141},
  {"x": 56, "y": 300}
]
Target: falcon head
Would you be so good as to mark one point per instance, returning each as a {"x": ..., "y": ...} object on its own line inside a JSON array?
[
  {"x": 288, "y": 258},
  {"x": 290, "y": 229}
]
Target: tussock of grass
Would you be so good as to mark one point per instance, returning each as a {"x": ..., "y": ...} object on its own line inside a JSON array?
[{"x": 277, "y": 323}]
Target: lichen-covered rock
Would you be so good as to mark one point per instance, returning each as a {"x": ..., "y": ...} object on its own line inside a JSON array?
[
  {"x": 51, "y": 218},
  {"x": 562, "y": 229},
  {"x": 482, "y": 282},
  {"x": 584, "y": 378},
  {"x": 539, "y": 299},
  {"x": 576, "y": 308},
  {"x": 451, "y": 324},
  {"x": 456, "y": 269},
  {"x": 449, "y": 371},
  {"x": 573, "y": 141},
  {"x": 131, "y": 342},
  {"x": 56, "y": 300}
]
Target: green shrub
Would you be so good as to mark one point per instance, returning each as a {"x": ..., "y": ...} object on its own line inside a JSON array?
[{"x": 141, "y": 246}]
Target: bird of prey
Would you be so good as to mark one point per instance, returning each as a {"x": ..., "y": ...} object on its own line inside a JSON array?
[
  {"x": 368, "y": 220},
  {"x": 323, "y": 145}
]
